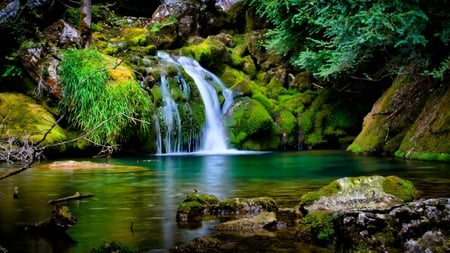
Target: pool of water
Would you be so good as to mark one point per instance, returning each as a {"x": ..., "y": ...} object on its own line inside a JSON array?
[{"x": 146, "y": 191}]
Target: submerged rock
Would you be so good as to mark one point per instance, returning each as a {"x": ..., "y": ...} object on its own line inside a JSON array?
[{"x": 264, "y": 220}]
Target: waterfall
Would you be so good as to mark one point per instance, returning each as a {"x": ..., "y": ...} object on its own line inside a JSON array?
[
  {"x": 171, "y": 120},
  {"x": 213, "y": 136}
]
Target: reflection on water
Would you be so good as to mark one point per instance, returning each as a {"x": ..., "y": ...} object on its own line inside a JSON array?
[{"x": 148, "y": 195}]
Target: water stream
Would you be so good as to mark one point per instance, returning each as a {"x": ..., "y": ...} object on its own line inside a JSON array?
[
  {"x": 213, "y": 136},
  {"x": 147, "y": 191}
]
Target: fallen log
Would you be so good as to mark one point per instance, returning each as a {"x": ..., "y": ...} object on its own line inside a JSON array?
[{"x": 76, "y": 196}]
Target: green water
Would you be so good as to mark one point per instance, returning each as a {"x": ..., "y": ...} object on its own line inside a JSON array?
[{"x": 148, "y": 192}]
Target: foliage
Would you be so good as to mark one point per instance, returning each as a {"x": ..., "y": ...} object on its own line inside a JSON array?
[
  {"x": 110, "y": 111},
  {"x": 335, "y": 38}
]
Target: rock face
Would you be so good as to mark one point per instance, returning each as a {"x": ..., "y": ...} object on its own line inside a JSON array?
[{"x": 408, "y": 122}]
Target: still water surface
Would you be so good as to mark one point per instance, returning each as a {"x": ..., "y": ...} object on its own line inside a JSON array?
[{"x": 148, "y": 190}]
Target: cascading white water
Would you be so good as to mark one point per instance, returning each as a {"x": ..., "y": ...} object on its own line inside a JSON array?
[
  {"x": 172, "y": 121},
  {"x": 214, "y": 138}
]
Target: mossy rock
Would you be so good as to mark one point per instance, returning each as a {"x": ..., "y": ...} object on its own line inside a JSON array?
[
  {"x": 209, "y": 52},
  {"x": 318, "y": 228},
  {"x": 401, "y": 188},
  {"x": 135, "y": 36},
  {"x": 275, "y": 88},
  {"x": 247, "y": 117},
  {"x": 363, "y": 193},
  {"x": 302, "y": 81},
  {"x": 195, "y": 205},
  {"x": 231, "y": 76},
  {"x": 240, "y": 206},
  {"x": 24, "y": 118}
]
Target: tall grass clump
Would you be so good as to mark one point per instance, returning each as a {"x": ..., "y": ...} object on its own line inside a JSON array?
[{"x": 109, "y": 111}]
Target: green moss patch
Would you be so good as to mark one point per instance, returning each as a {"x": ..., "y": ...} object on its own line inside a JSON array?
[
  {"x": 317, "y": 227},
  {"x": 248, "y": 117},
  {"x": 22, "y": 117},
  {"x": 401, "y": 188}
]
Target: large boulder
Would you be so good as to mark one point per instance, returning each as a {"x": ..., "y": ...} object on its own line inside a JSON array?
[{"x": 358, "y": 193}]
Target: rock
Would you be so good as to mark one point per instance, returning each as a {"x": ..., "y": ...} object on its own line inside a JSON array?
[
  {"x": 195, "y": 205},
  {"x": 358, "y": 193},
  {"x": 431, "y": 241},
  {"x": 411, "y": 227},
  {"x": 199, "y": 244},
  {"x": 41, "y": 60},
  {"x": 264, "y": 220},
  {"x": 251, "y": 206},
  {"x": 366, "y": 212}
]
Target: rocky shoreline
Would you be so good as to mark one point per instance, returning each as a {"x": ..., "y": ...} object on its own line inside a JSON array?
[{"x": 359, "y": 214}]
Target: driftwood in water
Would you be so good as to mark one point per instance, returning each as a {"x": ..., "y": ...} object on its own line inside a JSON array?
[
  {"x": 76, "y": 196},
  {"x": 60, "y": 220}
]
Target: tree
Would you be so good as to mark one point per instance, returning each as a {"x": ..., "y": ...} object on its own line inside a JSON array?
[
  {"x": 337, "y": 38},
  {"x": 85, "y": 24}
]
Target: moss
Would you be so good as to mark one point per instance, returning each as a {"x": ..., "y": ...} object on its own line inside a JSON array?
[
  {"x": 202, "y": 198},
  {"x": 427, "y": 139},
  {"x": 150, "y": 50},
  {"x": 287, "y": 126},
  {"x": 119, "y": 73},
  {"x": 22, "y": 117},
  {"x": 306, "y": 121},
  {"x": 317, "y": 227},
  {"x": 401, "y": 188},
  {"x": 275, "y": 88},
  {"x": 248, "y": 117},
  {"x": 372, "y": 137},
  {"x": 243, "y": 88},
  {"x": 197, "y": 204},
  {"x": 245, "y": 64},
  {"x": 231, "y": 76},
  {"x": 186, "y": 207},
  {"x": 210, "y": 52},
  {"x": 264, "y": 100},
  {"x": 292, "y": 102},
  {"x": 328, "y": 190},
  {"x": 134, "y": 36}
]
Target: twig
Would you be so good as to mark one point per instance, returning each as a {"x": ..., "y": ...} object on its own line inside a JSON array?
[{"x": 76, "y": 196}]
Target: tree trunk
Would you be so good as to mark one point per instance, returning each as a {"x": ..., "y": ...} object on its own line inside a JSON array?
[{"x": 85, "y": 26}]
